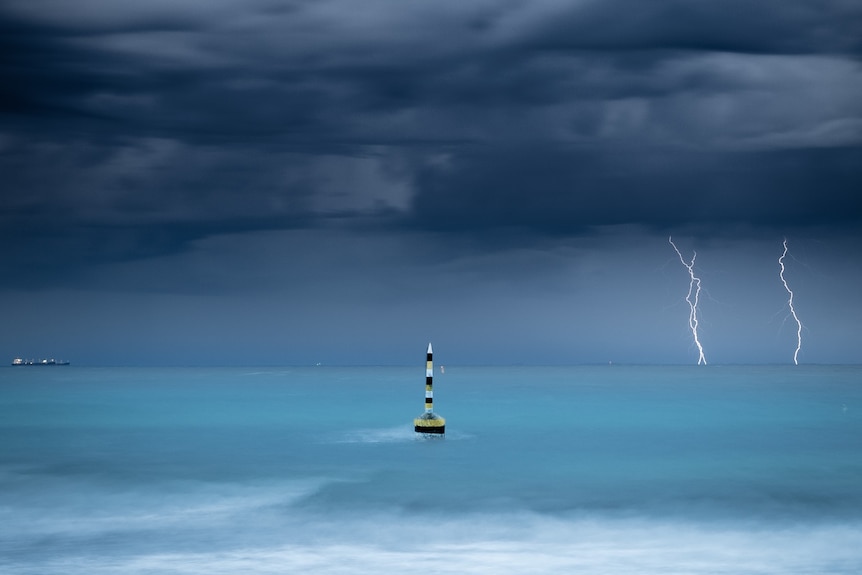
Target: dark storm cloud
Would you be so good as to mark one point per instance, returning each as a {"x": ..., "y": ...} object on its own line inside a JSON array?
[
  {"x": 133, "y": 131},
  {"x": 565, "y": 191},
  {"x": 772, "y": 26}
]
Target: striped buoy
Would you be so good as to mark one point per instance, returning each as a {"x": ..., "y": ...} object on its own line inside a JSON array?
[{"x": 429, "y": 422}]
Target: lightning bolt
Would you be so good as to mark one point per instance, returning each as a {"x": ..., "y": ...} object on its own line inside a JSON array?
[
  {"x": 693, "y": 289},
  {"x": 790, "y": 304}
]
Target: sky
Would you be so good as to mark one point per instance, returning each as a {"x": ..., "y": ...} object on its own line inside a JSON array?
[{"x": 276, "y": 182}]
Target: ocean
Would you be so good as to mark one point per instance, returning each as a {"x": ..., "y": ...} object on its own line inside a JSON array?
[{"x": 588, "y": 469}]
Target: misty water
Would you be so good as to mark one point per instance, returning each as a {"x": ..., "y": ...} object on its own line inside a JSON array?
[{"x": 603, "y": 469}]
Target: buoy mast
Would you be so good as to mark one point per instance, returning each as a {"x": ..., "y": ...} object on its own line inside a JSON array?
[{"x": 429, "y": 422}]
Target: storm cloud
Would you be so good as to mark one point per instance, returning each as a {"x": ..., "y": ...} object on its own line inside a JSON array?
[{"x": 145, "y": 134}]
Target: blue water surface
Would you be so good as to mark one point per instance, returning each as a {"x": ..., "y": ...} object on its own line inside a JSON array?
[{"x": 618, "y": 469}]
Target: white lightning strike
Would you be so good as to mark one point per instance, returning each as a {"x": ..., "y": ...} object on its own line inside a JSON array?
[
  {"x": 693, "y": 288},
  {"x": 790, "y": 304}
]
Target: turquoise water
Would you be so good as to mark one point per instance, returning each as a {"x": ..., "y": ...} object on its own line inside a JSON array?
[{"x": 610, "y": 469}]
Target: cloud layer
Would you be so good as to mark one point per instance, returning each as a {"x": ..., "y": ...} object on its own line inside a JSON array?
[{"x": 132, "y": 133}]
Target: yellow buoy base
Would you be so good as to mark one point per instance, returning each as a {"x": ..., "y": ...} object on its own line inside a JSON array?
[{"x": 429, "y": 423}]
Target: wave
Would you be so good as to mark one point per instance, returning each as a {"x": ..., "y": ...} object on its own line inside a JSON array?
[
  {"x": 515, "y": 543},
  {"x": 397, "y": 434}
]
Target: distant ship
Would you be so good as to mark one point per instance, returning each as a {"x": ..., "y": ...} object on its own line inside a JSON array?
[{"x": 19, "y": 361}]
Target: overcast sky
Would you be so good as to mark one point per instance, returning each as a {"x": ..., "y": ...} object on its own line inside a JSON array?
[{"x": 292, "y": 182}]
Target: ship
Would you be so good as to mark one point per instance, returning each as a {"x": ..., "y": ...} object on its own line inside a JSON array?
[{"x": 19, "y": 361}]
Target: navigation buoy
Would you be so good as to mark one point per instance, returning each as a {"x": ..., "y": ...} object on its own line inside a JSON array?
[{"x": 429, "y": 422}]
